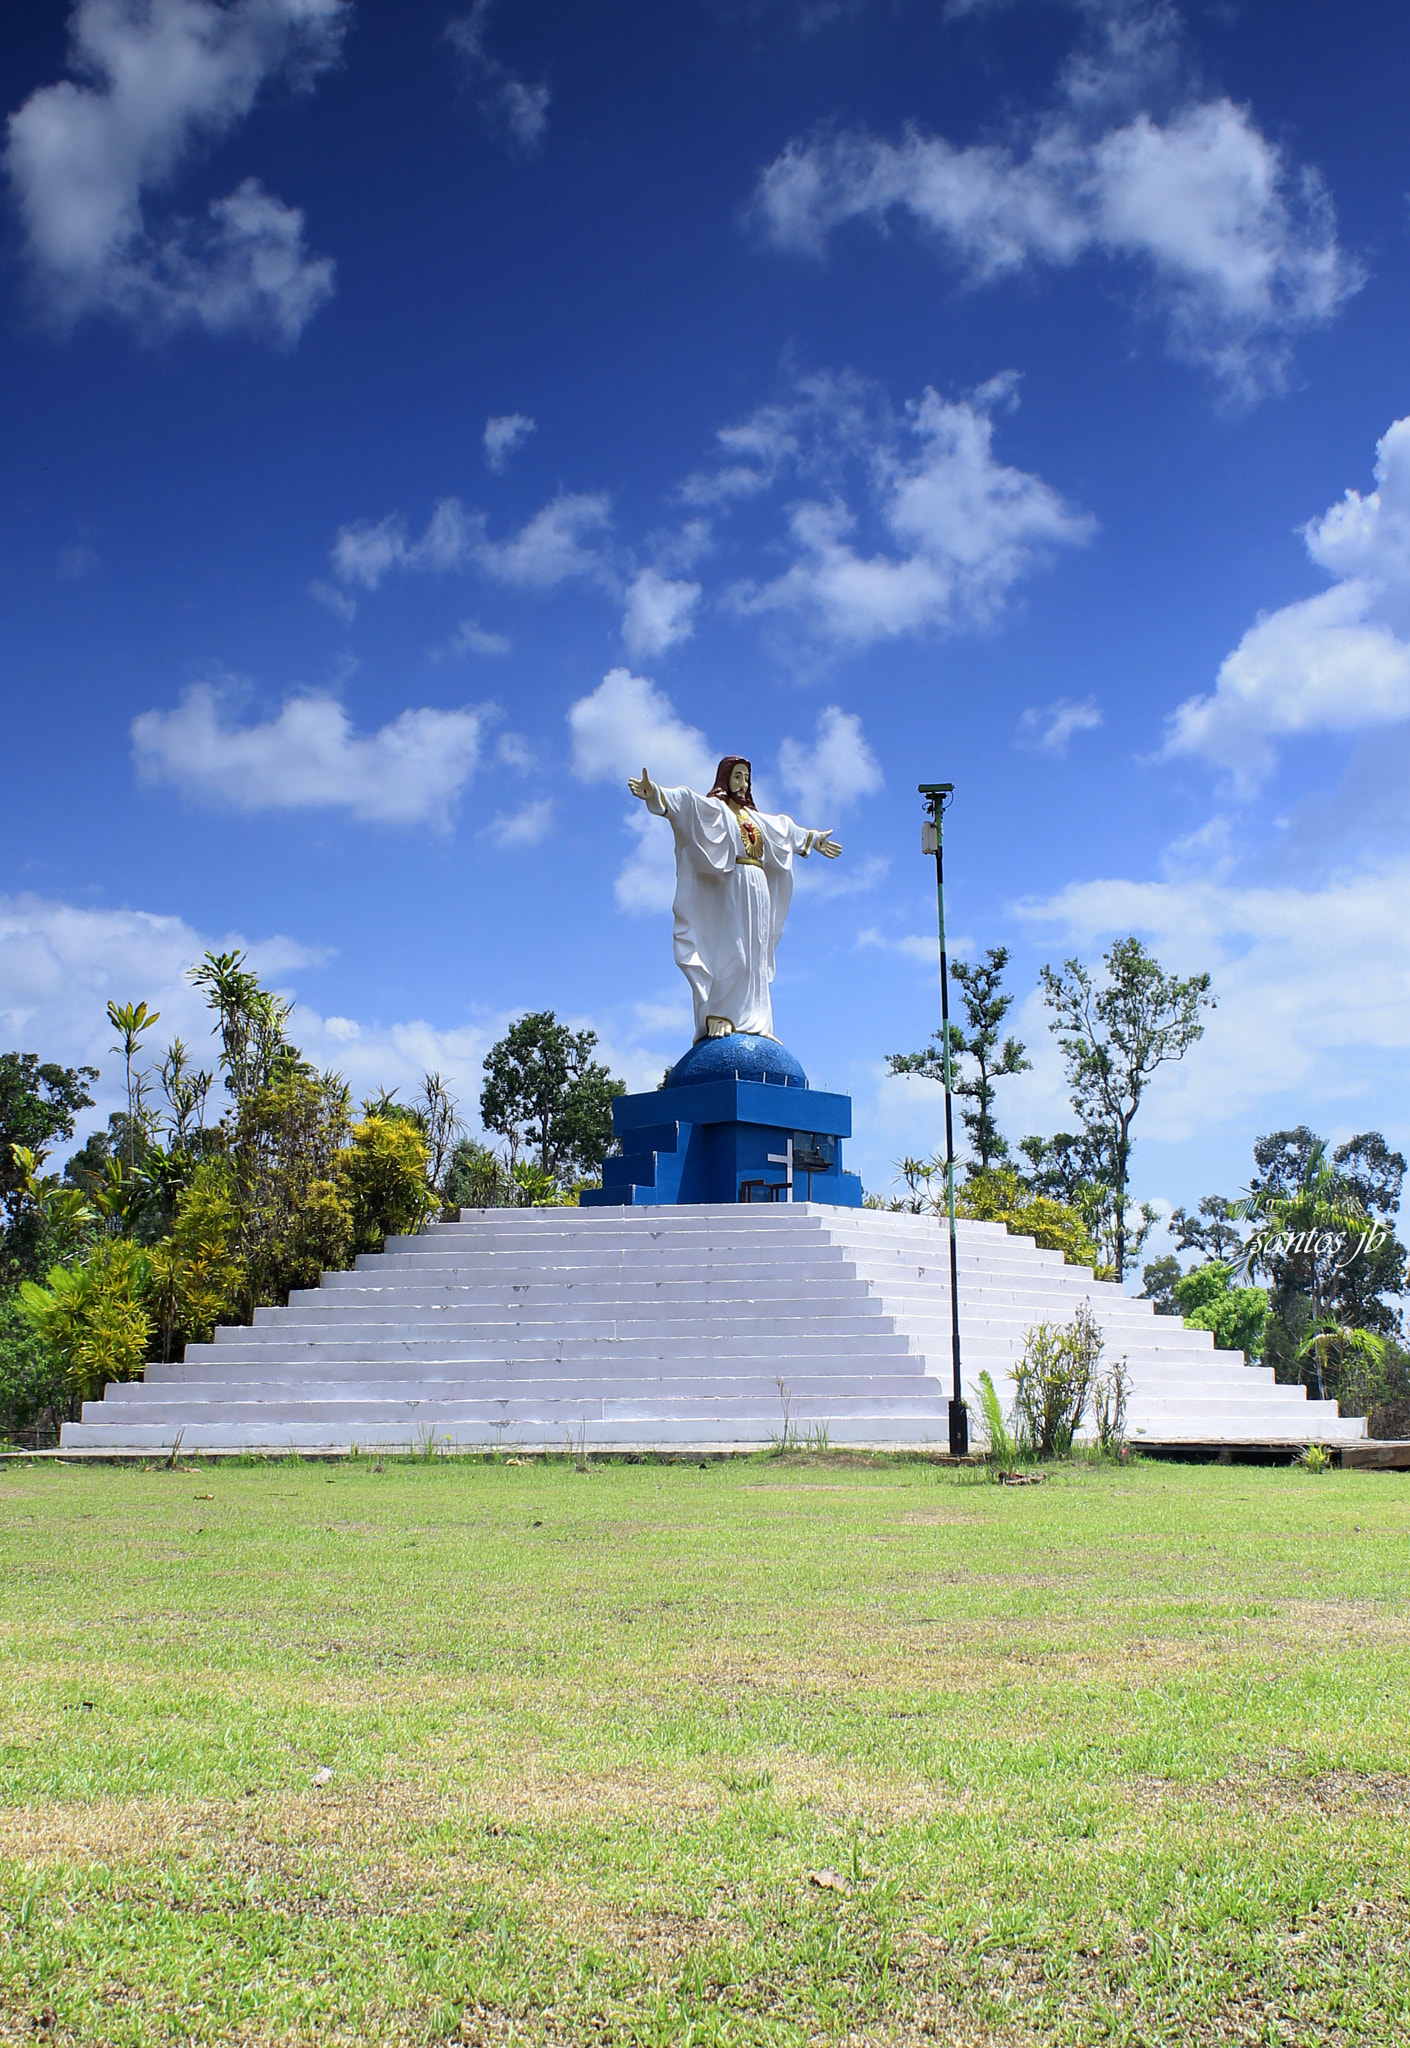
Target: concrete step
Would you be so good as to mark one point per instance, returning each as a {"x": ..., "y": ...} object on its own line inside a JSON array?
[{"x": 673, "y": 1327}]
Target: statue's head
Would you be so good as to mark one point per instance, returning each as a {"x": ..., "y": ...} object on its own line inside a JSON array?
[{"x": 732, "y": 779}]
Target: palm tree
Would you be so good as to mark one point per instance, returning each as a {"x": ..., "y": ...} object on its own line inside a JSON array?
[
  {"x": 1309, "y": 1224},
  {"x": 1328, "y": 1339},
  {"x": 130, "y": 1020}
]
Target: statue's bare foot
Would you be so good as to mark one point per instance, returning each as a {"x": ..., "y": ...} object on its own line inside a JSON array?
[{"x": 718, "y": 1027}]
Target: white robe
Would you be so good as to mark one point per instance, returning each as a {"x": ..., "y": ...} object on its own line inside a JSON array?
[{"x": 728, "y": 916}]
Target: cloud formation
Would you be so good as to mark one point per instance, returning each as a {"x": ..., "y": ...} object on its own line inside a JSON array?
[
  {"x": 504, "y": 434},
  {"x": 1313, "y": 983},
  {"x": 61, "y": 964},
  {"x": 1238, "y": 243},
  {"x": 626, "y": 724},
  {"x": 562, "y": 540},
  {"x": 959, "y": 529},
  {"x": 835, "y": 772},
  {"x": 470, "y": 637},
  {"x": 559, "y": 542},
  {"x": 527, "y": 826},
  {"x": 659, "y": 612},
  {"x": 1337, "y": 662},
  {"x": 1049, "y": 730},
  {"x": 410, "y": 772},
  {"x": 514, "y": 109},
  {"x": 153, "y": 85}
]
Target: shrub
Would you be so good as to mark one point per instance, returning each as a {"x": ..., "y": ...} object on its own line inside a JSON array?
[
  {"x": 295, "y": 1218},
  {"x": 1238, "y": 1316},
  {"x": 475, "y": 1179},
  {"x": 1053, "y": 1383},
  {"x": 198, "y": 1278},
  {"x": 1002, "y": 1448},
  {"x": 93, "y": 1317},
  {"x": 999, "y": 1196},
  {"x": 34, "y": 1391},
  {"x": 1058, "y": 1375},
  {"x": 384, "y": 1175}
]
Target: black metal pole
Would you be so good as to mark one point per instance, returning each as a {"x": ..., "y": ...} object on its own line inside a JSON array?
[{"x": 937, "y": 795}]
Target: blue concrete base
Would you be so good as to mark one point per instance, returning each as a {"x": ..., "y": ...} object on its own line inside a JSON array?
[{"x": 708, "y": 1136}]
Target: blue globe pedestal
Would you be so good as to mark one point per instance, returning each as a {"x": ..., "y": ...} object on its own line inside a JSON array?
[{"x": 719, "y": 1131}]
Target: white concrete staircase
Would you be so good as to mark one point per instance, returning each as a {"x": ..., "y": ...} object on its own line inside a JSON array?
[{"x": 673, "y": 1328}]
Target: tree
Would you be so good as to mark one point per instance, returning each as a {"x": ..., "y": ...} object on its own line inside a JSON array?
[
  {"x": 998, "y": 1196},
  {"x": 131, "y": 1021},
  {"x": 383, "y": 1173},
  {"x": 198, "y": 1279},
  {"x": 93, "y": 1318},
  {"x": 476, "y": 1178},
  {"x": 543, "y": 1089},
  {"x": 1159, "y": 1280},
  {"x": 1113, "y": 1039},
  {"x": 442, "y": 1126},
  {"x": 986, "y": 1006},
  {"x": 1322, "y": 1236},
  {"x": 39, "y": 1104},
  {"x": 1238, "y": 1316},
  {"x": 1210, "y": 1231}
]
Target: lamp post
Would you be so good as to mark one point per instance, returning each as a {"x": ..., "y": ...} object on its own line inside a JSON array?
[{"x": 937, "y": 795}]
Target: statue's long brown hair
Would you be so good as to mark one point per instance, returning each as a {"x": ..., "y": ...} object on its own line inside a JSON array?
[{"x": 722, "y": 776}]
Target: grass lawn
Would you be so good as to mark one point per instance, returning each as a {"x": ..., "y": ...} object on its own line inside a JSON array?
[{"x": 1122, "y": 1758}]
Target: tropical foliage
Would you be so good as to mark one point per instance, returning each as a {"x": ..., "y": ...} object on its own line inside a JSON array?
[
  {"x": 1317, "y": 1228},
  {"x": 215, "y": 1191}
]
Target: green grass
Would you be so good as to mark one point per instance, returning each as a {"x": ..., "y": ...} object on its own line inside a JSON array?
[{"x": 1121, "y": 1758}]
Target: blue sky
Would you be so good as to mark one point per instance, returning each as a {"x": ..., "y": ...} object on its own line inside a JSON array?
[{"x": 417, "y": 418}]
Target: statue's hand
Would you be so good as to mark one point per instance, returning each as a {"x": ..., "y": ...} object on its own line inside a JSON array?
[
  {"x": 642, "y": 786},
  {"x": 825, "y": 844}
]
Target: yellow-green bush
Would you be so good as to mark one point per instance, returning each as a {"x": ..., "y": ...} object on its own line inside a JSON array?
[
  {"x": 198, "y": 1276},
  {"x": 383, "y": 1177},
  {"x": 93, "y": 1318},
  {"x": 999, "y": 1196}
]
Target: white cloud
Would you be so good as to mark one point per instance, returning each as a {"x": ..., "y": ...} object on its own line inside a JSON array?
[
  {"x": 659, "y": 612},
  {"x": 505, "y": 433},
  {"x": 515, "y": 109},
  {"x": 470, "y": 637},
  {"x": 365, "y": 552},
  {"x": 62, "y": 964},
  {"x": 753, "y": 452},
  {"x": 1241, "y": 244},
  {"x": 910, "y": 945},
  {"x": 1313, "y": 984},
  {"x": 1337, "y": 662},
  {"x": 835, "y": 772},
  {"x": 964, "y": 528},
  {"x": 626, "y": 724},
  {"x": 1050, "y": 730},
  {"x": 408, "y": 773},
  {"x": 527, "y": 826},
  {"x": 513, "y": 749},
  {"x": 154, "y": 84},
  {"x": 336, "y": 601},
  {"x": 557, "y": 543},
  {"x": 622, "y": 726}
]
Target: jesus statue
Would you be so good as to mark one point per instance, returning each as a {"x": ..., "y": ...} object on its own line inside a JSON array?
[{"x": 734, "y": 883}]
